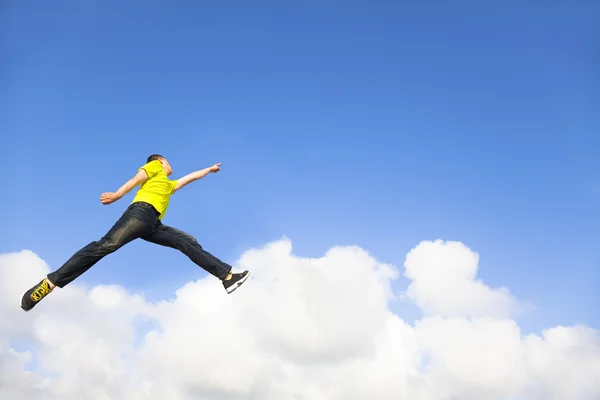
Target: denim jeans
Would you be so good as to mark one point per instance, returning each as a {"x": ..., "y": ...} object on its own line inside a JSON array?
[{"x": 140, "y": 220}]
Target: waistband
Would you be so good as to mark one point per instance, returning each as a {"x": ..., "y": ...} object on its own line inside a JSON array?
[{"x": 143, "y": 204}]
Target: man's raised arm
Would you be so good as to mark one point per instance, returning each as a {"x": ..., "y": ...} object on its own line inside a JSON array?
[
  {"x": 109, "y": 197},
  {"x": 194, "y": 176}
]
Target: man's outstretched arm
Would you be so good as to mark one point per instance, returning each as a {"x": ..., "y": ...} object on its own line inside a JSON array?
[
  {"x": 194, "y": 176},
  {"x": 109, "y": 197}
]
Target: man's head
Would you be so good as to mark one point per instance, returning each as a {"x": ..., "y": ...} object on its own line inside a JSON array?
[{"x": 163, "y": 161}]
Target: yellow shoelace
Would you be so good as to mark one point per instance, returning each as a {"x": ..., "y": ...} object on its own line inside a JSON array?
[{"x": 41, "y": 291}]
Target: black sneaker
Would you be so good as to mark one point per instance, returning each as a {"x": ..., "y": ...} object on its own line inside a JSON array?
[
  {"x": 35, "y": 294},
  {"x": 236, "y": 281}
]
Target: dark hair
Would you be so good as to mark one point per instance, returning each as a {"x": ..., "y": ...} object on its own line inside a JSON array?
[{"x": 154, "y": 157}]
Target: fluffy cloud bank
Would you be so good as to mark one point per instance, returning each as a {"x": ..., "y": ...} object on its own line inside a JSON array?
[{"x": 300, "y": 329}]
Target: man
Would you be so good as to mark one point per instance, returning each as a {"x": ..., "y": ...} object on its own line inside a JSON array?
[{"x": 142, "y": 219}]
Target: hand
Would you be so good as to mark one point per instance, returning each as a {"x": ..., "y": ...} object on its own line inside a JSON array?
[
  {"x": 108, "y": 197},
  {"x": 215, "y": 168}
]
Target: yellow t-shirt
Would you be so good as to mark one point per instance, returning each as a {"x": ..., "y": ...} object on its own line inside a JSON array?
[{"x": 157, "y": 189}]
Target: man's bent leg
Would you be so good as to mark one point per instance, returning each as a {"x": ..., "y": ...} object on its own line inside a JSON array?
[{"x": 188, "y": 245}]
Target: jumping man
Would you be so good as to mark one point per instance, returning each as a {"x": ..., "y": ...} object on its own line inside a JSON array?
[{"x": 142, "y": 219}]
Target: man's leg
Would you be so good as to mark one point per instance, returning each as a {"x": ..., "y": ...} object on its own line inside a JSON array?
[
  {"x": 171, "y": 237},
  {"x": 130, "y": 226},
  {"x": 123, "y": 231}
]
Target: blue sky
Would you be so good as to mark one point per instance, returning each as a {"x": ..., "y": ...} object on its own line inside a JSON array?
[{"x": 353, "y": 123}]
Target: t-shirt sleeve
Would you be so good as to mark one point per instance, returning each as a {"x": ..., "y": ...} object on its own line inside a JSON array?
[
  {"x": 173, "y": 184},
  {"x": 151, "y": 168}
]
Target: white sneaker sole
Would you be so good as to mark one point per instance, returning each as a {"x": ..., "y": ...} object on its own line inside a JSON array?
[{"x": 232, "y": 288}]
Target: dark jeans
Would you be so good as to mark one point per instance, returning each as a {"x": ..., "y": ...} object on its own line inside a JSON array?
[{"x": 140, "y": 220}]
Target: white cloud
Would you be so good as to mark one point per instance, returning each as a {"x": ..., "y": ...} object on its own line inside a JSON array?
[
  {"x": 301, "y": 329},
  {"x": 444, "y": 283}
]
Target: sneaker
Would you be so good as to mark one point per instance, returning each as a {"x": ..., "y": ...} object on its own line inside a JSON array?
[
  {"x": 236, "y": 281},
  {"x": 35, "y": 294}
]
